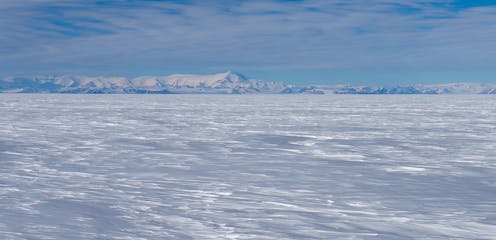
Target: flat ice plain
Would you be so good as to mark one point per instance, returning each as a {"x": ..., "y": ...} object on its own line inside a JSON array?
[{"x": 247, "y": 167}]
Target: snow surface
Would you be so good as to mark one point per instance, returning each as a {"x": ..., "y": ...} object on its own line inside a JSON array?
[{"x": 247, "y": 167}]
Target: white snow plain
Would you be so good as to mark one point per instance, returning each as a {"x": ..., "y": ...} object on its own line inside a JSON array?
[{"x": 247, "y": 167}]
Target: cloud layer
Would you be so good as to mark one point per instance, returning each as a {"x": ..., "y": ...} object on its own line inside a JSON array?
[{"x": 138, "y": 37}]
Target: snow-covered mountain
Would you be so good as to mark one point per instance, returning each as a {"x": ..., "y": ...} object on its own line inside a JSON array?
[
  {"x": 221, "y": 83},
  {"x": 450, "y": 88},
  {"x": 226, "y": 83}
]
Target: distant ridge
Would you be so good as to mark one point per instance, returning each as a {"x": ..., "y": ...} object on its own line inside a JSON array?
[
  {"x": 449, "y": 88},
  {"x": 220, "y": 83}
]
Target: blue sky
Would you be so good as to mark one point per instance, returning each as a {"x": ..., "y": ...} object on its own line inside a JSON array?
[{"x": 314, "y": 41}]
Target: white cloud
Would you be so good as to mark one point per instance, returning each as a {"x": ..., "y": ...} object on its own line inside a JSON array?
[{"x": 245, "y": 35}]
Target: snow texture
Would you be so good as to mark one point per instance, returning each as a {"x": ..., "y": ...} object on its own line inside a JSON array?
[{"x": 247, "y": 167}]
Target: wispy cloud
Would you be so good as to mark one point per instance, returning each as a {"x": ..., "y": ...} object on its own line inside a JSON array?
[{"x": 133, "y": 37}]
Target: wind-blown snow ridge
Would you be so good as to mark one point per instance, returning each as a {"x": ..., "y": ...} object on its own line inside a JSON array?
[{"x": 220, "y": 83}]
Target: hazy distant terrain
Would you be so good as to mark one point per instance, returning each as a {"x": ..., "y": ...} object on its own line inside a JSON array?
[
  {"x": 247, "y": 167},
  {"x": 221, "y": 83}
]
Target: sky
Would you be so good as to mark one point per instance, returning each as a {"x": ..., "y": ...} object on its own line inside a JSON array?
[{"x": 374, "y": 42}]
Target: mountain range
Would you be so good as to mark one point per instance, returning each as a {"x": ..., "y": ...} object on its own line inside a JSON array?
[{"x": 221, "y": 83}]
